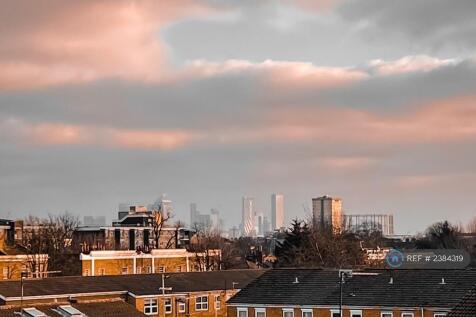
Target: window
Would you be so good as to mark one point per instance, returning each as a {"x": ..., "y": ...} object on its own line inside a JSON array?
[
  {"x": 355, "y": 313},
  {"x": 386, "y": 314},
  {"x": 161, "y": 269},
  {"x": 86, "y": 272},
  {"x": 148, "y": 270},
  {"x": 6, "y": 271},
  {"x": 260, "y": 312},
  {"x": 124, "y": 270},
  {"x": 150, "y": 306},
  {"x": 179, "y": 269},
  {"x": 288, "y": 312},
  {"x": 181, "y": 307},
  {"x": 218, "y": 302},
  {"x": 201, "y": 303},
  {"x": 101, "y": 271},
  {"x": 242, "y": 312},
  {"x": 335, "y": 313},
  {"x": 407, "y": 315},
  {"x": 138, "y": 270},
  {"x": 168, "y": 306},
  {"x": 306, "y": 312}
]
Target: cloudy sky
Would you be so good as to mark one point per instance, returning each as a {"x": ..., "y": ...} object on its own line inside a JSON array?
[{"x": 111, "y": 101}]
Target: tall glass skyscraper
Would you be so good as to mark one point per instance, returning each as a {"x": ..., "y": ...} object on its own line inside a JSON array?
[
  {"x": 248, "y": 216},
  {"x": 277, "y": 211}
]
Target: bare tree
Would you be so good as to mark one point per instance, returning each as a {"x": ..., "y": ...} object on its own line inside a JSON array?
[
  {"x": 207, "y": 245},
  {"x": 471, "y": 226},
  {"x": 35, "y": 243},
  {"x": 160, "y": 218},
  {"x": 49, "y": 239}
]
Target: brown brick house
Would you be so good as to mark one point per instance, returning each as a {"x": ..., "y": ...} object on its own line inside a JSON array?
[
  {"x": 467, "y": 306},
  {"x": 156, "y": 261},
  {"x": 107, "y": 308},
  {"x": 199, "y": 294},
  {"x": 316, "y": 293}
]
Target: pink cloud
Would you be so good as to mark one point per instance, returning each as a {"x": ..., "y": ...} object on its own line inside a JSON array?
[
  {"x": 57, "y": 134},
  {"x": 346, "y": 162},
  {"x": 441, "y": 121},
  {"x": 447, "y": 120},
  {"x": 315, "y": 5},
  {"x": 54, "y": 42},
  {"x": 150, "y": 139},
  {"x": 281, "y": 73},
  {"x": 409, "y": 64}
]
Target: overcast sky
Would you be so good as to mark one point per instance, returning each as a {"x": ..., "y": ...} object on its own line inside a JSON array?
[{"x": 373, "y": 101}]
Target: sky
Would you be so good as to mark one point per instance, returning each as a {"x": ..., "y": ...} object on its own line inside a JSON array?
[{"x": 111, "y": 101}]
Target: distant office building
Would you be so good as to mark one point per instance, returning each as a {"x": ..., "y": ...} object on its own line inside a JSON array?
[
  {"x": 216, "y": 223},
  {"x": 234, "y": 232},
  {"x": 162, "y": 204},
  {"x": 248, "y": 216},
  {"x": 370, "y": 222},
  {"x": 193, "y": 214},
  {"x": 201, "y": 221},
  {"x": 327, "y": 212},
  {"x": 266, "y": 225},
  {"x": 259, "y": 224},
  {"x": 94, "y": 221},
  {"x": 277, "y": 211}
]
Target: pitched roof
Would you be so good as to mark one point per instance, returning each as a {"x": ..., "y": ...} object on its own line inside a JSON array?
[
  {"x": 196, "y": 281},
  {"x": 467, "y": 306},
  {"x": 116, "y": 308},
  {"x": 409, "y": 288},
  {"x": 138, "y": 284}
]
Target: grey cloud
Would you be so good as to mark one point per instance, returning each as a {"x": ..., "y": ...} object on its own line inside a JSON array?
[
  {"x": 394, "y": 93},
  {"x": 324, "y": 39},
  {"x": 187, "y": 104},
  {"x": 243, "y": 99},
  {"x": 440, "y": 24}
]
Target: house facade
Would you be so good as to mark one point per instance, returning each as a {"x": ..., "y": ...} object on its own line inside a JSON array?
[
  {"x": 317, "y": 293},
  {"x": 34, "y": 265},
  {"x": 201, "y": 294},
  {"x": 155, "y": 261}
]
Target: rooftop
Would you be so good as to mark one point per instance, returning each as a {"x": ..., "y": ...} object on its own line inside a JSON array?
[
  {"x": 137, "y": 284},
  {"x": 398, "y": 288},
  {"x": 115, "y": 308},
  {"x": 467, "y": 306}
]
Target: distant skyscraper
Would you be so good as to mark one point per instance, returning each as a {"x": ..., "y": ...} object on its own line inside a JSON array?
[
  {"x": 248, "y": 216},
  {"x": 327, "y": 212},
  {"x": 260, "y": 224},
  {"x": 94, "y": 221},
  {"x": 215, "y": 221},
  {"x": 277, "y": 211},
  {"x": 266, "y": 225},
  {"x": 233, "y": 233},
  {"x": 193, "y": 214},
  {"x": 163, "y": 204},
  {"x": 370, "y": 222}
]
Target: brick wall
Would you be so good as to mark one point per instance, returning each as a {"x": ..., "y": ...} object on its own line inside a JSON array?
[
  {"x": 143, "y": 265},
  {"x": 326, "y": 312},
  {"x": 11, "y": 266},
  {"x": 190, "y": 304}
]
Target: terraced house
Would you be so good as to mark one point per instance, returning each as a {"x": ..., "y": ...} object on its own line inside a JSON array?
[
  {"x": 319, "y": 293},
  {"x": 197, "y": 294},
  {"x": 155, "y": 261}
]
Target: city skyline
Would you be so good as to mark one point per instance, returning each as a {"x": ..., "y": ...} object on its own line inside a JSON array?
[{"x": 109, "y": 101}]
